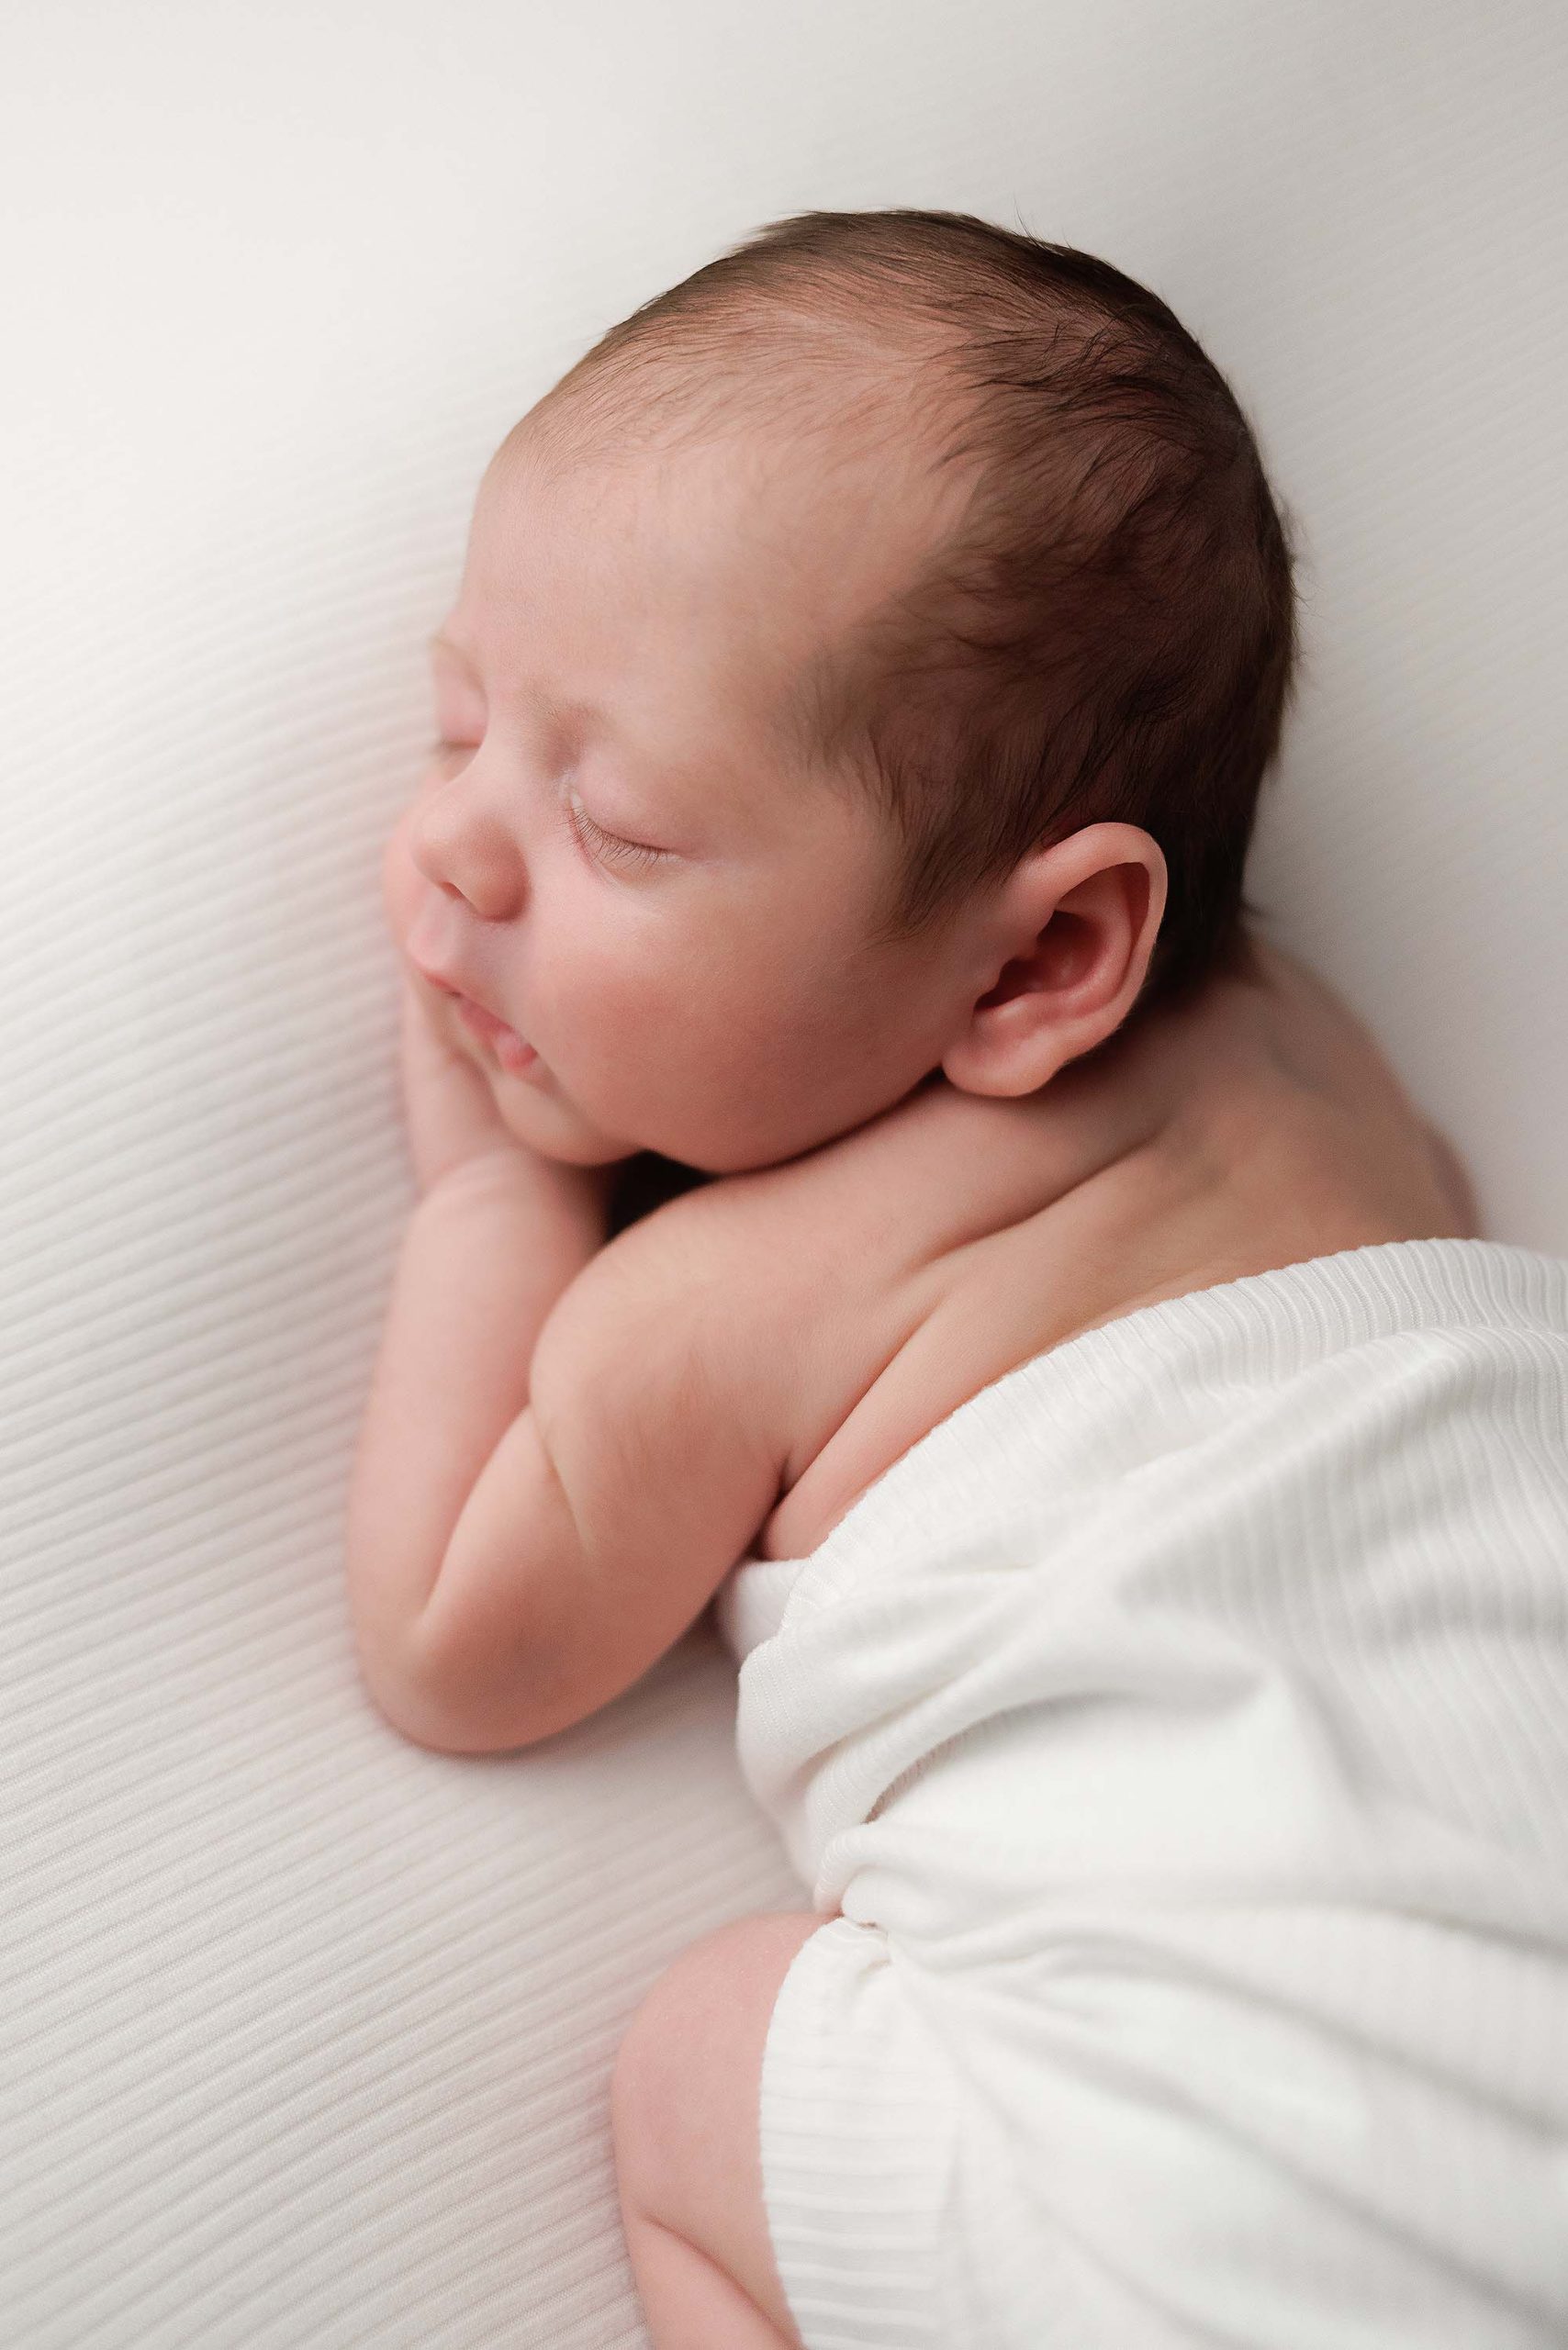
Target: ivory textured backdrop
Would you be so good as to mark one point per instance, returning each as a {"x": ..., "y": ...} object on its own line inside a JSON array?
[{"x": 305, "y": 2034}]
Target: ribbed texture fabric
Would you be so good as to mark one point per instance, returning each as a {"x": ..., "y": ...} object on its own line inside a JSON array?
[
  {"x": 305, "y": 2035},
  {"x": 1182, "y": 1726},
  {"x": 856, "y": 2106}
]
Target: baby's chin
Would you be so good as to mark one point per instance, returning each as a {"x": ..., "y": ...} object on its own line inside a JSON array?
[{"x": 531, "y": 1106}]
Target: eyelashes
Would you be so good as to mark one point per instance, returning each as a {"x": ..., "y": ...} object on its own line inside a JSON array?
[
  {"x": 608, "y": 845},
  {"x": 611, "y": 847}
]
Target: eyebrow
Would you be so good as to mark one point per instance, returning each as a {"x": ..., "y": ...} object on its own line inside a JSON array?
[{"x": 552, "y": 707}]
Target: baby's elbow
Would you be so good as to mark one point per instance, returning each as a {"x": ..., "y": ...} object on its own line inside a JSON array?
[
  {"x": 416, "y": 1714},
  {"x": 429, "y": 1714}
]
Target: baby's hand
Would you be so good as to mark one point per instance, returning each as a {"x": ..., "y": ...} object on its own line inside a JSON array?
[
  {"x": 449, "y": 1105},
  {"x": 402, "y": 883}
]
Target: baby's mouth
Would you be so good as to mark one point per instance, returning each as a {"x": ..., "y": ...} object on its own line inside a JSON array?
[{"x": 514, "y": 1052}]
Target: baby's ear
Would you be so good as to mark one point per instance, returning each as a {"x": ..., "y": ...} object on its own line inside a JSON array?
[{"x": 1067, "y": 954}]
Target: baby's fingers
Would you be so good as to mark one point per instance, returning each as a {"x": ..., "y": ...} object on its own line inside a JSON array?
[
  {"x": 449, "y": 1106},
  {"x": 402, "y": 883}
]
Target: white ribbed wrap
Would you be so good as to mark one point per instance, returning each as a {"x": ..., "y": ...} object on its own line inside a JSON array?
[{"x": 1182, "y": 1725}]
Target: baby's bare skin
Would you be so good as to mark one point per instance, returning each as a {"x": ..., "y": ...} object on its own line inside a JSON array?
[{"x": 900, "y": 1269}]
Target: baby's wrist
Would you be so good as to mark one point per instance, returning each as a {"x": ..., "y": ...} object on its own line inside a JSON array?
[{"x": 544, "y": 1187}]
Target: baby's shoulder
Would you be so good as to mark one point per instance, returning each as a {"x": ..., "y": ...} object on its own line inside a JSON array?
[
  {"x": 798, "y": 1288},
  {"x": 841, "y": 1219},
  {"x": 749, "y": 1264}
]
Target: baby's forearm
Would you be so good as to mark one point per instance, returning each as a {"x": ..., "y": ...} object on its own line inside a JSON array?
[{"x": 484, "y": 1258}]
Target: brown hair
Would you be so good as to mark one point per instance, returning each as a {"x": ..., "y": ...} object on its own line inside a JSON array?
[{"x": 1107, "y": 634}]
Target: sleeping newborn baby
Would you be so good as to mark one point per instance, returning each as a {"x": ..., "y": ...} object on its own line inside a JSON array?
[{"x": 1134, "y": 1496}]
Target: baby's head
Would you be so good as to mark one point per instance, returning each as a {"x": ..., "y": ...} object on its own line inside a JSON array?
[{"x": 866, "y": 660}]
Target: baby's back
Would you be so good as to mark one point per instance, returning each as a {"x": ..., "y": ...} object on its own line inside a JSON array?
[{"x": 877, "y": 1283}]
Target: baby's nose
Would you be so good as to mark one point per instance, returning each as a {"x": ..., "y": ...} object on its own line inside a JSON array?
[{"x": 467, "y": 850}]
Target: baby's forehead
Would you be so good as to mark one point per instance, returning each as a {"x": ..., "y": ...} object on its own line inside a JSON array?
[
  {"x": 782, "y": 488},
  {"x": 707, "y": 542},
  {"x": 748, "y": 565}
]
